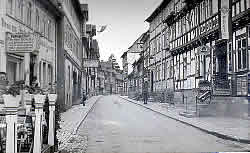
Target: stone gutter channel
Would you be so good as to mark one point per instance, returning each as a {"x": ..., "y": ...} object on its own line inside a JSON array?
[
  {"x": 68, "y": 137},
  {"x": 85, "y": 116}
]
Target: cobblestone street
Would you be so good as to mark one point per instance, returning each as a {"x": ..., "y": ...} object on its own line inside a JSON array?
[
  {"x": 115, "y": 125},
  {"x": 70, "y": 122}
]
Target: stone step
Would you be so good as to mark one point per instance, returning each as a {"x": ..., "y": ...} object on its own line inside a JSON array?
[
  {"x": 222, "y": 92},
  {"x": 189, "y": 114}
]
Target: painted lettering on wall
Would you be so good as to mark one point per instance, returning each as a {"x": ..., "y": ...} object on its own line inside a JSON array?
[{"x": 20, "y": 42}]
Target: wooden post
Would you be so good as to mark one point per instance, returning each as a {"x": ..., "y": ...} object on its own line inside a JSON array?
[
  {"x": 39, "y": 101},
  {"x": 27, "y": 68},
  {"x": 52, "y": 102},
  {"x": 11, "y": 104}
]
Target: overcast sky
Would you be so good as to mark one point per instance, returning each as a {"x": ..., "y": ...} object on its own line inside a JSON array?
[{"x": 125, "y": 20}]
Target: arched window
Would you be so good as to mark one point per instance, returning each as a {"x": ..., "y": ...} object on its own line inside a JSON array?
[
  {"x": 10, "y": 6},
  {"x": 37, "y": 20},
  {"x": 29, "y": 14}
]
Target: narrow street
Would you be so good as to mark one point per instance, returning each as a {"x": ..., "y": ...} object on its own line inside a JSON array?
[{"x": 117, "y": 126}]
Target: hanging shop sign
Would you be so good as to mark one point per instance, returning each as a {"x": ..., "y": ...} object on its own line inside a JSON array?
[
  {"x": 93, "y": 63},
  {"x": 204, "y": 50},
  {"x": 20, "y": 42}
]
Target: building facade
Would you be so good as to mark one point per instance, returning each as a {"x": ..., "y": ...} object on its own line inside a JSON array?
[
  {"x": 128, "y": 58},
  {"x": 28, "y": 41},
  {"x": 70, "y": 52},
  {"x": 91, "y": 60},
  {"x": 41, "y": 39},
  {"x": 113, "y": 81},
  {"x": 125, "y": 73},
  {"x": 200, "y": 42}
]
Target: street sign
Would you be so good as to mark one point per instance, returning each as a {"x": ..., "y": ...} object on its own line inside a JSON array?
[
  {"x": 20, "y": 42},
  {"x": 204, "y": 50}
]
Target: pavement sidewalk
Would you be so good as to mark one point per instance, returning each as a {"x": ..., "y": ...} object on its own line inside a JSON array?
[
  {"x": 227, "y": 128},
  {"x": 71, "y": 121}
]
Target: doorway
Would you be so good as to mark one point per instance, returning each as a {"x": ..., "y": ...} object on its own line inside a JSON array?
[
  {"x": 221, "y": 75},
  {"x": 152, "y": 81}
]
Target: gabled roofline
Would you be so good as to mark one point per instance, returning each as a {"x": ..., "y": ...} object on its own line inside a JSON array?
[
  {"x": 124, "y": 53},
  {"x": 136, "y": 40},
  {"x": 163, "y": 4}
]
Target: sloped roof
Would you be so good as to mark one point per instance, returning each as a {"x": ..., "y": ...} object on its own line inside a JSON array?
[
  {"x": 124, "y": 54},
  {"x": 163, "y": 4}
]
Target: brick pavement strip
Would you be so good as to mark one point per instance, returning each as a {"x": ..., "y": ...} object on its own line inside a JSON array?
[
  {"x": 226, "y": 128},
  {"x": 71, "y": 120}
]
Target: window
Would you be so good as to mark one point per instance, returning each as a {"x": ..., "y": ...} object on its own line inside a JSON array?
[
  {"x": 69, "y": 77},
  {"x": 167, "y": 70},
  {"x": 201, "y": 12},
  {"x": 21, "y": 9},
  {"x": 171, "y": 69},
  {"x": 239, "y": 54},
  {"x": 185, "y": 67},
  {"x": 37, "y": 20},
  {"x": 159, "y": 72},
  {"x": 49, "y": 30},
  {"x": 177, "y": 68},
  {"x": 29, "y": 14},
  {"x": 230, "y": 56},
  {"x": 44, "y": 27},
  {"x": 159, "y": 44},
  {"x": 10, "y": 7},
  {"x": 248, "y": 34},
  {"x": 197, "y": 65},
  {"x": 17, "y": 12},
  {"x": 155, "y": 46},
  {"x": 233, "y": 10},
  {"x": 164, "y": 71},
  {"x": 242, "y": 84},
  {"x": 242, "y": 53}
]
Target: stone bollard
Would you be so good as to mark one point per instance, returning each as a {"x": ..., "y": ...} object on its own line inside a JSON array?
[
  {"x": 39, "y": 101},
  {"x": 11, "y": 104},
  {"x": 27, "y": 102},
  {"x": 52, "y": 102}
]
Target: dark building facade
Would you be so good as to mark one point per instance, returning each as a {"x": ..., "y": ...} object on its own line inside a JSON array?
[{"x": 70, "y": 52}]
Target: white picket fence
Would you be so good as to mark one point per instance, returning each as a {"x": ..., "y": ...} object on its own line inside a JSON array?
[{"x": 13, "y": 121}]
